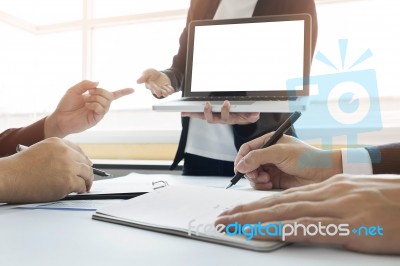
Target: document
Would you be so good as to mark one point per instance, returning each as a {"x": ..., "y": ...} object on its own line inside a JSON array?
[
  {"x": 67, "y": 205},
  {"x": 188, "y": 211},
  {"x": 124, "y": 187},
  {"x": 135, "y": 184}
]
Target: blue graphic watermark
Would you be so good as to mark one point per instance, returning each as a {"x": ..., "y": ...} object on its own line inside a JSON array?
[{"x": 344, "y": 104}]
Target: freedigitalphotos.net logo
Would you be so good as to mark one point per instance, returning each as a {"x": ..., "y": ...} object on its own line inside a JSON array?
[{"x": 249, "y": 231}]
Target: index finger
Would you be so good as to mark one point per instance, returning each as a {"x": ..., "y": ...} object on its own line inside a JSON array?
[
  {"x": 251, "y": 145},
  {"x": 208, "y": 114},
  {"x": 123, "y": 92},
  {"x": 80, "y": 153},
  {"x": 78, "y": 185},
  {"x": 284, "y": 211},
  {"x": 225, "y": 109},
  {"x": 85, "y": 172},
  {"x": 146, "y": 75},
  {"x": 83, "y": 86},
  {"x": 83, "y": 165}
]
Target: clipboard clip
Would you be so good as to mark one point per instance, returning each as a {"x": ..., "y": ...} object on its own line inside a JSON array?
[{"x": 159, "y": 184}]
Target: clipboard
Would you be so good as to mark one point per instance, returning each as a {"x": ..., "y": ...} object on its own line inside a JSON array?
[
  {"x": 112, "y": 189},
  {"x": 87, "y": 196}
]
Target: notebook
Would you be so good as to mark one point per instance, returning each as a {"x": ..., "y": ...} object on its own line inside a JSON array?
[
  {"x": 259, "y": 64},
  {"x": 188, "y": 211}
]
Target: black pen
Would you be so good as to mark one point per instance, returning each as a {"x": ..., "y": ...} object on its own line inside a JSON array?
[
  {"x": 100, "y": 172},
  {"x": 96, "y": 171},
  {"x": 274, "y": 139}
]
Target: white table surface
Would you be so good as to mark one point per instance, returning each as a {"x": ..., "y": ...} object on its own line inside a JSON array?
[{"x": 54, "y": 237}]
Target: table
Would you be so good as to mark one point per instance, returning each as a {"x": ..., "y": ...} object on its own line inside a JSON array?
[{"x": 50, "y": 237}]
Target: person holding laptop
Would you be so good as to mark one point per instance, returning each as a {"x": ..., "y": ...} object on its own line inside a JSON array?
[
  {"x": 209, "y": 141},
  {"x": 323, "y": 187},
  {"x": 51, "y": 167}
]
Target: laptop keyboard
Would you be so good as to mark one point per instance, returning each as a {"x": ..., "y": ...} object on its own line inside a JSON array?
[{"x": 241, "y": 98}]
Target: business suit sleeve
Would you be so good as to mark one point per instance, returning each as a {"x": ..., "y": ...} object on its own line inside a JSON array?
[
  {"x": 198, "y": 10},
  {"x": 385, "y": 158},
  {"x": 29, "y": 135},
  {"x": 177, "y": 70}
]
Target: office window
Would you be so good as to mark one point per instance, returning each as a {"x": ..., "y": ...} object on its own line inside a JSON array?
[
  {"x": 361, "y": 36},
  {"x": 367, "y": 24},
  {"x": 41, "y": 12},
  {"x": 47, "y": 46},
  {"x": 35, "y": 70},
  {"x": 108, "y": 8},
  {"x": 120, "y": 55}
]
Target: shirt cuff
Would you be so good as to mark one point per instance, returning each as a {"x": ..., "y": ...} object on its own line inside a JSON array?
[{"x": 356, "y": 161}]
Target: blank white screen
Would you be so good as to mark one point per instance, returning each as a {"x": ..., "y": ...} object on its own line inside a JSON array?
[{"x": 247, "y": 57}]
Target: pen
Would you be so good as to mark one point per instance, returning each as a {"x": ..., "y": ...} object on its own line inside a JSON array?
[
  {"x": 100, "y": 172},
  {"x": 274, "y": 139},
  {"x": 96, "y": 171}
]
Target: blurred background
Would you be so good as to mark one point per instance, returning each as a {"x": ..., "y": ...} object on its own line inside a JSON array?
[{"x": 46, "y": 46}]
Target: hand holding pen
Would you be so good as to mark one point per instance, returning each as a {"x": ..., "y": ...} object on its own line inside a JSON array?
[
  {"x": 287, "y": 164},
  {"x": 96, "y": 171},
  {"x": 271, "y": 141},
  {"x": 46, "y": 171}
]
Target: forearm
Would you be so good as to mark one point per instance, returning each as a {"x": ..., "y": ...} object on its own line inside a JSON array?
[
  {"x": 3, "y": 186},
  {"x": 7, "y": 178},
  {"x": 333, "y": 164},
  {"x": 51, "y": 128},
  {"x": 3, "y": 190},
  {"x": 29, "y": 135}
]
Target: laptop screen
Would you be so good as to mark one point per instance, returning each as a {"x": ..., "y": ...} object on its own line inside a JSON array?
[{"x": 253, "y": 57}]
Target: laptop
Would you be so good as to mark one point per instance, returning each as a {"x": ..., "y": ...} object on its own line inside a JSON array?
[{"x": 259, "y": 64}]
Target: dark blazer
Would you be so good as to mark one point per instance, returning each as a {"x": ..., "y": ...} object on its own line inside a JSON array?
[
  {"x": 385, "y": 158},
  {"x": 29, "y": 135},
  {"x": 205, "y": 9}
]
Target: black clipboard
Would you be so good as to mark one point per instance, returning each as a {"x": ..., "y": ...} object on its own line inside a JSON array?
[{"x": 127, "y": 195}]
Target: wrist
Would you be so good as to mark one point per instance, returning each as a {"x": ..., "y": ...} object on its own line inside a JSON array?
[
  {"x": 51, "y": 128},
  {"x": 333, "y": 159}
]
